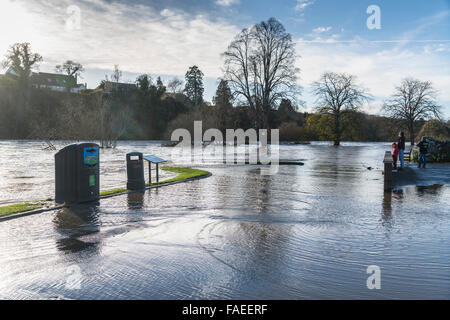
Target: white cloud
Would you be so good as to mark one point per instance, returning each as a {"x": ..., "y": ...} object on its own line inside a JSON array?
[
  {"x": 322, "y": 29},
  {"x": 167, "y": 13},
  {"x": 379, "y": 66},
  {"x": 138, "y": 38},
  {"x": 302, "y": 4},
  {"x": 226, "y": 3}
]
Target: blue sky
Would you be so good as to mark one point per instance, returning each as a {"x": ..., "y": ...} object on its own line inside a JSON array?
[{"x": 166, "y": 37}]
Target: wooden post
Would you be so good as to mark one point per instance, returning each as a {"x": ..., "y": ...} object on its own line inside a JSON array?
[{"x": 388, "y": 164}]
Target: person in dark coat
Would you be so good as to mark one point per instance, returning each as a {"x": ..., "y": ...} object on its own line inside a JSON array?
[{"x": 423, "y": 151}]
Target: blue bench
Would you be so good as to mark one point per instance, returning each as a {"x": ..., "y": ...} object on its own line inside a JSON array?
[{"x": 156, "y": 160}]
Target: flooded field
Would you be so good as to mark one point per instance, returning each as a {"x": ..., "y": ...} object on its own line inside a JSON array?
[{"x": 308, "y": 232}]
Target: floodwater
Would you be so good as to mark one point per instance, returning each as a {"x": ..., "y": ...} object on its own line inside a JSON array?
[{"x": 308, "y": 232}]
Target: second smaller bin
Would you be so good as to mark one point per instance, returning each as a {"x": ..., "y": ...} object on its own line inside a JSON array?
[{"x": 135, "y": 171}]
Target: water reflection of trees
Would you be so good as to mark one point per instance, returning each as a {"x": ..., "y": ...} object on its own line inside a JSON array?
[
  {"x": 246, "y": 190},
  {"x": 334, "y": 166},
  {"x": 257, "y": 190},
  {"x": 258, "y": 249}
]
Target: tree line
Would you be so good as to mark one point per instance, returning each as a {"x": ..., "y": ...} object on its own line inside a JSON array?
[{"x": 258, "y": 89}]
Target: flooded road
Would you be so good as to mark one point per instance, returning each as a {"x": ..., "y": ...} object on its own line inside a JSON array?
[{"x": 308, "y": 232}]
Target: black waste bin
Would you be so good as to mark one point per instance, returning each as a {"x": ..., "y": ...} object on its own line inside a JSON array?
[
  {"x": 77, "y": 173},
  {"x": 135, "y": 171}
]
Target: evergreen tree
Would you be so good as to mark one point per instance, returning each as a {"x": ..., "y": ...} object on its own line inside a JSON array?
[
  {"x": 194, "y": 85},
  {"x": 224, "y": 104},
  {"x": 223, "y": 96},
  {"x": 161, "y": 88},
  {"x": 144, "y": 82}
]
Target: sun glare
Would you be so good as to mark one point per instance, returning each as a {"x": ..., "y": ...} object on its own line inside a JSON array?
[{"x": 16, "y": 24}]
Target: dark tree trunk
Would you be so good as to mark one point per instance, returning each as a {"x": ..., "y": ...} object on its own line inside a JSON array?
[
  {"x": 411, "y": 132},
  {"x": 337, "y": 131}
]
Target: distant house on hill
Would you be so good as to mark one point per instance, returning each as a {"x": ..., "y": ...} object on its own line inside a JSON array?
[
  {"x": 56, "y": 82},
  {"x": 52, "y": 81},
  {"x": 109, "y": 86}
]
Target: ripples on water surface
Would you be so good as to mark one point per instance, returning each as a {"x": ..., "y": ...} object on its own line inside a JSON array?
[{"x": 307, "y": 232}]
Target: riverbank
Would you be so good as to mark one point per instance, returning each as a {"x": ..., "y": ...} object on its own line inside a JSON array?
[{"x": 184, "y": 174}]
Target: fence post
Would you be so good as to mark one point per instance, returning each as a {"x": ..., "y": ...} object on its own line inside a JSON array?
[{"x": 388, "y": 164}]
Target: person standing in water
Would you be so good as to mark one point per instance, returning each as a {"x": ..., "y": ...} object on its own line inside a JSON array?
[{"x": 401, "y": 149}]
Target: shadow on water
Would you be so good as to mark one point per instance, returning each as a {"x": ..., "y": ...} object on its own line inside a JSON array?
[
  {"x": 399, "y": 194},
  {"x": 73, "y": 224}
]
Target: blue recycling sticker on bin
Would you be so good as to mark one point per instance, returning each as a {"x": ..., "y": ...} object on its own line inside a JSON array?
[{"x": 91, "y": 155}]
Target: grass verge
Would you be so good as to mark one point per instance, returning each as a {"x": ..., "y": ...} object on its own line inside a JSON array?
[
  {"x": 113, "y": 192},
  {"x": 20, "y": 207},
  {"x": 183, "y": 174}
]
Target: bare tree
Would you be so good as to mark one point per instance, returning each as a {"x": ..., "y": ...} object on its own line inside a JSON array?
[
  {"x": 338, "y": 95},
  {"x": 86, "y": 116},
  {"x": 110, "y": 124},
  {"x": 71, "y": 68},
  {"x": 413, "y": 100},
  {"x": 260, "y": 68},
  {"x": 175, "y": 85},
  {"x": 117, "y": 74},
  {"x": 22, "y": 61}
]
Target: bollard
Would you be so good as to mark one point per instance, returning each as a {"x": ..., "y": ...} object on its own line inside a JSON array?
[{"x": 388, "y": 164}]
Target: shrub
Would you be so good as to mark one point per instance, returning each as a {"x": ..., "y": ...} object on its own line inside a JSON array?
[{"x": 290, "y": 131}]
